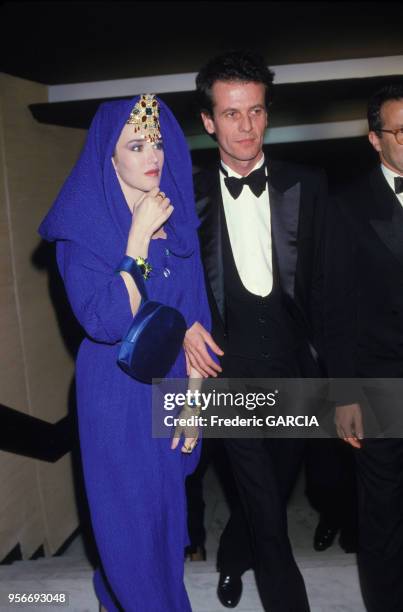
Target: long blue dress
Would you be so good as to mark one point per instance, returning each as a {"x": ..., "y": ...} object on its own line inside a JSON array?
[{"x": 134, "y": 482}]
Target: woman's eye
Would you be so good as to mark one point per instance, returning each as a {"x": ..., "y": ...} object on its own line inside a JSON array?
[
  {"x": 136, "y": 148},
  {"x": 159, "y": 145}
]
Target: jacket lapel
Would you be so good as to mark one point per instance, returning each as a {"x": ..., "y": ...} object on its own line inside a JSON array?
[
  {"x": 284, "y": 210},
  {"x": 386, "y": 215},
  {"x": 210, "y": 214}
]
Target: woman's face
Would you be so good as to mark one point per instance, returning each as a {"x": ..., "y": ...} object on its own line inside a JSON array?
[{"x": 138, "y": 163}]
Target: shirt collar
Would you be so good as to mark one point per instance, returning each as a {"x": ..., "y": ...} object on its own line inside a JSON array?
[
  {"x": 231, "y": 172},
  {"x": 389, "y": 176}
]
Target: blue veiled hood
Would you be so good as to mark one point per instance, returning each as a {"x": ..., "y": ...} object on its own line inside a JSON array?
[{"x": 90, "y": 208}]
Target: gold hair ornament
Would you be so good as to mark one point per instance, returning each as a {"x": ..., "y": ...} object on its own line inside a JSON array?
[{"x": 145, "y": 116}]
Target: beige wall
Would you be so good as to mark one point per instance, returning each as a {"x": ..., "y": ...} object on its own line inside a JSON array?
[{"x": 37, "y": 504}]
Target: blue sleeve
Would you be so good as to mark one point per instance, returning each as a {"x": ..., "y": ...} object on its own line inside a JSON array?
[{"x": 97, "y": 295}]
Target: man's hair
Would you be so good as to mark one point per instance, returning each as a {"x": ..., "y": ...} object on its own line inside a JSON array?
[
  {"x": 393, "y": 91},
  {"x": 245, "y": 66}
]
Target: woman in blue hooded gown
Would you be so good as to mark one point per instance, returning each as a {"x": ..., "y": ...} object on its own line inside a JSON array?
[{"x": 110, "y": 206}]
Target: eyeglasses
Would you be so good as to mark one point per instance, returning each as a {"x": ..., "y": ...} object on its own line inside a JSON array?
[{"x": 398, "y": 134}]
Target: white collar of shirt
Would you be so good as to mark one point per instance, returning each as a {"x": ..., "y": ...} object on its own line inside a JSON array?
[
  {"x": 390, "y": 178},
  {"x": 249, "y": 229},
  {"x": 231, "y": 172}
]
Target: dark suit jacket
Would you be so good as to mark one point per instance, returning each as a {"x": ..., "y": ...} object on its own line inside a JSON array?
[
  {"x": 364, "y": 281},
  {"x": 297, "y": 204}
]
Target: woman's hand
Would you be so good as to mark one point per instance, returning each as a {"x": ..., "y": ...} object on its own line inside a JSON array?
[
  {"x": 190, "y": 432},
  {"x": 150, "y": 212}
]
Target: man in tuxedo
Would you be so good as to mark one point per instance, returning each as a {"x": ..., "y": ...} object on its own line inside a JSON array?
[
  {"x": 260, "y": 236},
  {"x": 363, "y": 327}
]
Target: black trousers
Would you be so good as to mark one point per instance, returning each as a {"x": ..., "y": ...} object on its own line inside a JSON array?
[
  {"x": 213, "y": 453},
  {"x": 331, "y": 483},
  {"x": 255, "y": 462},
  {"x": 380, "y": 514},
  {"x": 264, "y": 470},
  {"x": 283, "y": 459}
]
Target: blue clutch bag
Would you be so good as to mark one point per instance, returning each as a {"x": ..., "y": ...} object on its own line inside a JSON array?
[{"x": 155, "y": 336}]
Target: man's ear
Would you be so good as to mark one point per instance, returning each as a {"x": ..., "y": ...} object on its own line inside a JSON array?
[
  {"x": 375, "y": 141},
  {"x": 208, "y": 123}
]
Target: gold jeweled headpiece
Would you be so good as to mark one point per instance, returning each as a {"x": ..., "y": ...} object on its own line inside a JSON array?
[{"x": 145, "y": 115}]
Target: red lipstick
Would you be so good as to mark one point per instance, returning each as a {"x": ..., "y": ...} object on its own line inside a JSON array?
[{"x": 152, "y": 172}]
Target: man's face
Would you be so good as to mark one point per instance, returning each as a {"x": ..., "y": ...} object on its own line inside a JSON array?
[
  {"x": 239, "y": 121},
  {"x": 390, "y": 152}
]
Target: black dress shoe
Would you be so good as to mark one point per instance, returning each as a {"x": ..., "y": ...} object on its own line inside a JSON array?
[
  {"x": 229, "y": 590},
  {"x": 324, "y": 535}
]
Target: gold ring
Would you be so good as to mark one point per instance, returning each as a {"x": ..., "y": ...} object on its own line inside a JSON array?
[
  {"x": 188, "y": 449},
  {"x": 161, "y": 195}
]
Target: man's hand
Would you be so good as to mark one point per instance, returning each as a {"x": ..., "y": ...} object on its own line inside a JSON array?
[
  {"x": 348, "y": 420},
  {"x": 196, "y": 352}
]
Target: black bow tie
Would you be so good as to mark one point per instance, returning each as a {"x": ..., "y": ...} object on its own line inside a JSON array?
[
  {"x": 256, "y": 181},
  {"x": 398, "y": 184}
]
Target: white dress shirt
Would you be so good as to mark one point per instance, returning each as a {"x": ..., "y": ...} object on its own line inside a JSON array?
[
  {"x": 249, "y": 229},
  {"x": 390, "y": 177}
]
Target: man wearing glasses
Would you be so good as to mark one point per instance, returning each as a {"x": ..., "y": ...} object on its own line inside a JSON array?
[{"x": 364, "y": 339}]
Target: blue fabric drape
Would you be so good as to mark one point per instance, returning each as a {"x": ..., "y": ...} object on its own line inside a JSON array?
[{"x": 134, "y": 483}]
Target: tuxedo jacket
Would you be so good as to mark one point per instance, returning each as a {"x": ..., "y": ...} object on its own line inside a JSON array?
[
  {"x": 363, "y": 292},
  {"x": 297, "y": 197}
]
